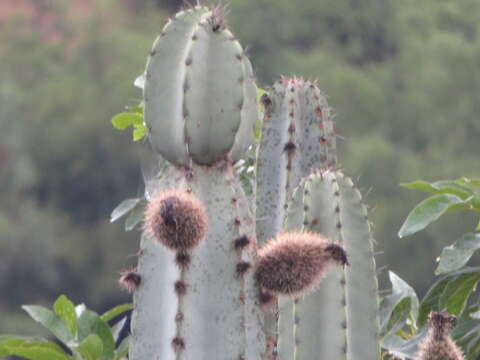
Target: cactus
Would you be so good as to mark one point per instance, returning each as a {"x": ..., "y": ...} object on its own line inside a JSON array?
[
  {"x": 348, "y": 301},
  {"x": 201, "y": 290},
  {"x": 197, "y": 296}
]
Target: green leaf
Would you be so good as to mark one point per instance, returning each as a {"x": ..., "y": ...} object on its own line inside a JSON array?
[
  {"x": 64, "y": 308},
  {"x": 455, "y": 256},
  {"x": 467, "y": 333},
  {"x": 440, "y": 187},
  {"x": 91, "y": 348},
  {"x": 427, "y": 212},
  {"x": 125, "y": 119},
  {"x": 468, "y": 182},
  {"x": 123, "y": 208},
  {"x": 91, "y": 323},
  {"x": 451, "y": 292},
  {"x": 51, "y": 321},
  {"x": 139, "y": 132},
  {"x": 396, "y": 308},
  {"x": 452, "y": 187},
  {"x": 34, "y": 350},
  {"x": 14, "y": 341},
  {"x": 458, "y": 290},
  {"x": 430, "y": 300},
  {"x": 114, "y": 312},
  {"x": 419, "y": 185}
]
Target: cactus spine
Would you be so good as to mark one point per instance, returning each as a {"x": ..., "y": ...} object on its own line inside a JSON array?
[{"x": 198, "y": 287}]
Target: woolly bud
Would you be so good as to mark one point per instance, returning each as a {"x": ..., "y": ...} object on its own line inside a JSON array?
[
  {"x": 176, "y": 219},
  {"x": 438, "y": 345},
  {"x": 294, "y": 263}
]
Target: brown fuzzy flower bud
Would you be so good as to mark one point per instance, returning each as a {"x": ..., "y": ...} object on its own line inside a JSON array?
[
  {"x": 176, "y": 219},
  {"x": 294, "y": 263},
  {"x": 438, "y": 345}
]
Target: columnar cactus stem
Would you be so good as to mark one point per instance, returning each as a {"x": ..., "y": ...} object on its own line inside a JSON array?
[
  {"x": 197, "y": 298},
  {"x": 297, "y": 138},
  {"x": 294, "y": 143},
  {"x": 324, "y": 311},
  {"x": 206, "y": 306},
  {"x": 340, "y": 320},
  {"x": 199, "y": 84}
]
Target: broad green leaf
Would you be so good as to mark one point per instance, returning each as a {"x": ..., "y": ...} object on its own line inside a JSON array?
[
  {"x": 427, "y": 212},
  {"x": 64, "y": 308},
  {"x": 125, "y": 119},
  {"x": 451, "y": 292},
  {"x": 452, "y": 187},
  {"x": 91, "y": 348},
  {"x": 397, "y": 307},
  {"x": 468, "y": 182},
  {"x": 114, "y": 312},
  {"x": 419, "y": 185},
  {"x": 91, "y": 323},
  {"x": 440, "y": 187},
  {"x": 430, "y": 300},
  {"x": 35, "y": 351},
  {"x": 51, "y": 321},
  {"x": 455, "y": 256},
  {"x": 458, "y": 290},
  {"x": 467, "y": 333},
  {"x": 15, "y": 341},
  {"x": 139, "y": 132},
  {"x": 123, "y": 208}
]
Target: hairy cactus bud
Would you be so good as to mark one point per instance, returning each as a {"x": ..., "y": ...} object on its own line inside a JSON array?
[
  {"x": 438, "y": 345},
  {"x": 176, "y": 219},
  {"x": 294, "y": 263}
]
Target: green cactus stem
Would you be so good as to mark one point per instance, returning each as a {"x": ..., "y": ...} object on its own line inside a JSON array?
[
  {"x": 200, "y": 302},
  {"x": 340, "y": 320},
  {"x": 200, "y": 95},
  {"x": 297, "y": 138}
]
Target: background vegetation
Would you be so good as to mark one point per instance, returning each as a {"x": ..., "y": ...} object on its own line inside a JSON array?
[{"x": 402, "y": 76}]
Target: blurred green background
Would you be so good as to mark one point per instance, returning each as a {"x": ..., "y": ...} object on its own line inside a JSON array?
[{"x": 402, "y": 76}]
